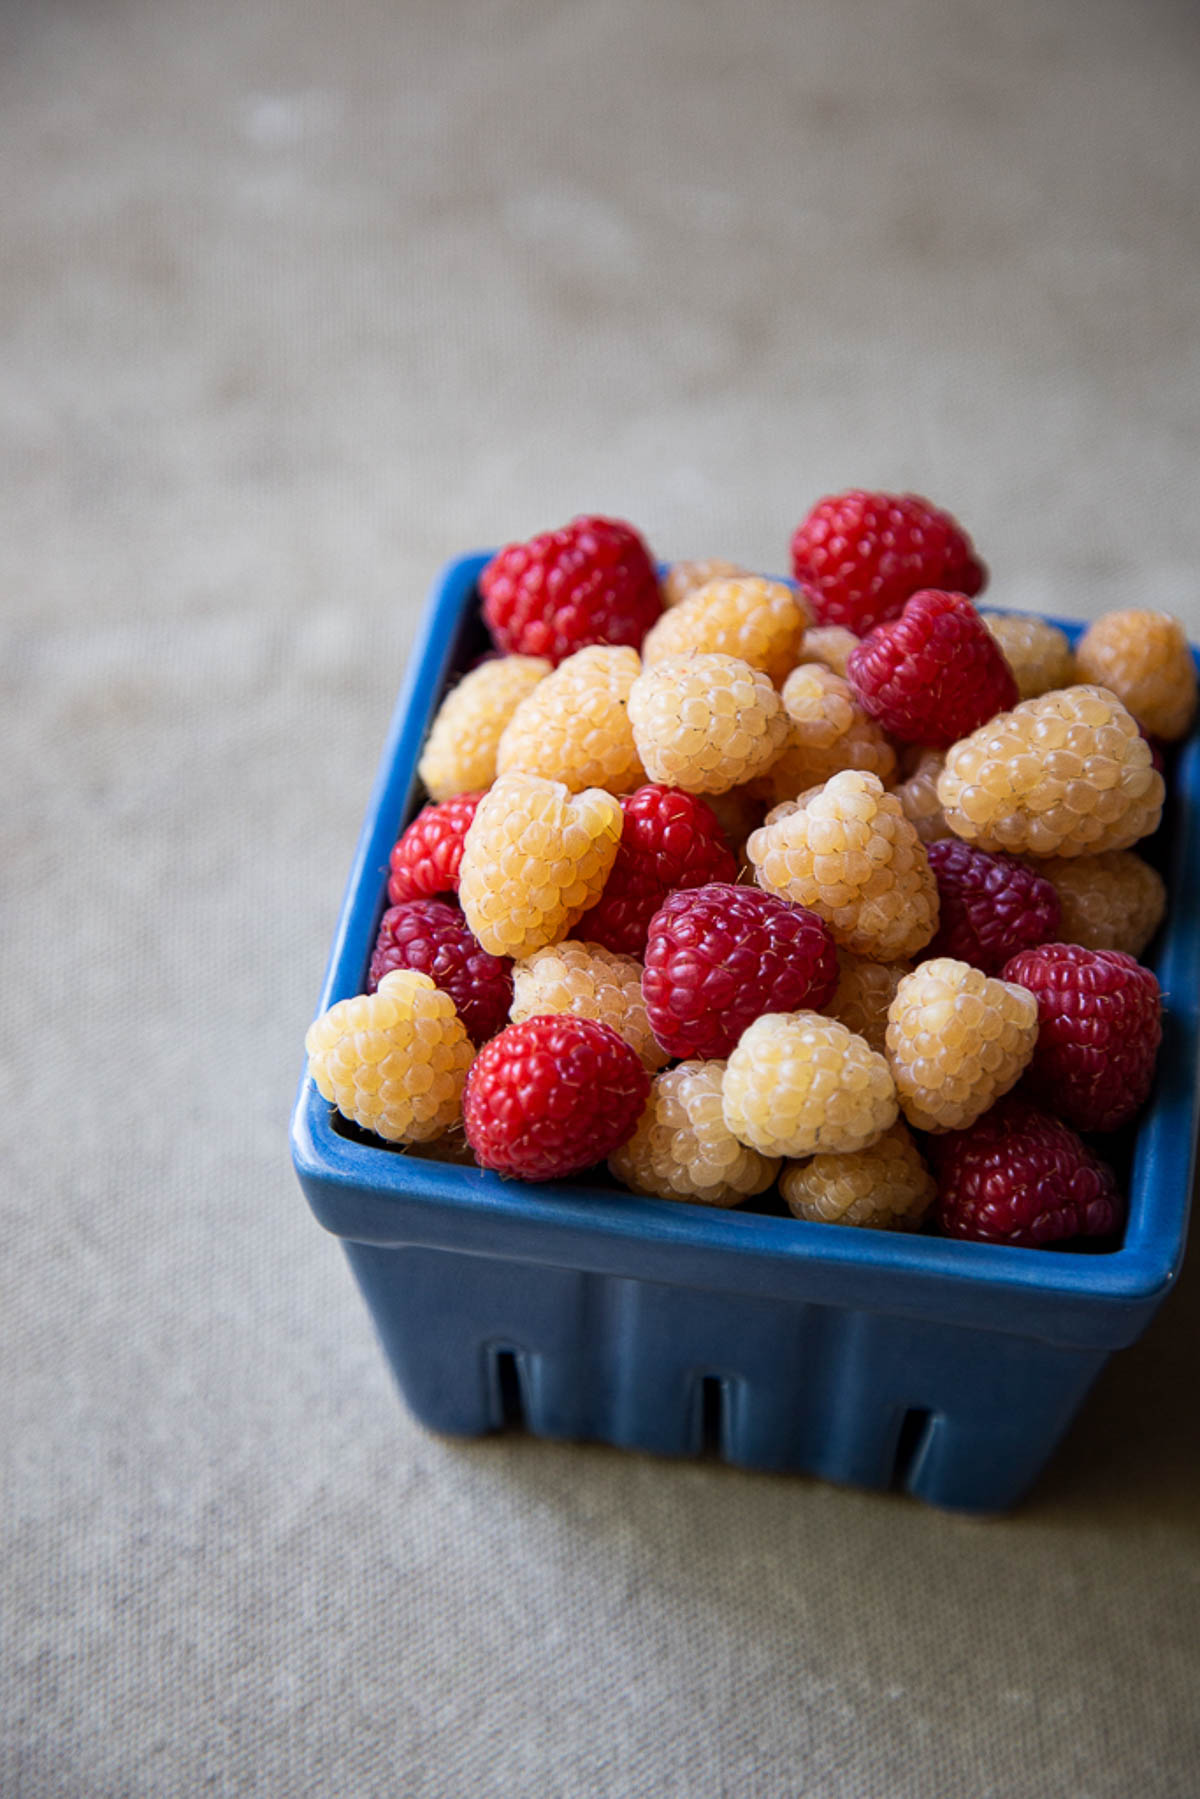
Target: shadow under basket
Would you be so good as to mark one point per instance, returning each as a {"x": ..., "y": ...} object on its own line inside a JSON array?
[{"x": 576, "y": 1310}]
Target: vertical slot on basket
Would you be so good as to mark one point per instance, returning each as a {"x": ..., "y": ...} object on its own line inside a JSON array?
[
  {"x": 712, "y": 1416},
  {"x": 910, "y": 1440},
  {"x": 508, "y": 1399}
]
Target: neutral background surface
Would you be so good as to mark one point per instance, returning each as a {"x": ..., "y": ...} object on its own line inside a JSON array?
[{"x": 298, "y": 302}]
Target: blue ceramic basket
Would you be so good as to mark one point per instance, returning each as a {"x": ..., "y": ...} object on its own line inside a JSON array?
[{"x": 944, "y": 1369}]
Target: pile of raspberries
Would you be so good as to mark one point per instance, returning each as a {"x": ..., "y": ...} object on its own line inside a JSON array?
[{"x": 818, "y": 893}]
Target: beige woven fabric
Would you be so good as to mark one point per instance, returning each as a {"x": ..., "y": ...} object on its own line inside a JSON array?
[{"x": 300, "y": 300}]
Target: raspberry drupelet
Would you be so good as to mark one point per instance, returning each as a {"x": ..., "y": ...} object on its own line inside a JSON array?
[
  {"x": 683, "y": 1149},
  {"x": 860, "y": 555},
  {"x": 934, "y": 674},
  {"x": 460, "y": 751},
  {"x": 591, "y": 582},
  {"x": 574, "y": 725},
  {"x": 719, "y": 956}
]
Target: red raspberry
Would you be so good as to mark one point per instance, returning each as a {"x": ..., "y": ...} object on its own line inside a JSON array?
[
  {"x": 669, "y": 839},
  {"x": 933, "y": 675},
  {"x": 990, "y": 907},
  {"x": 718, "y": 957},
  {"x": 860, "y": 555},
  {"x": 1099, "y": 1028},
  {"x": 425, "y": 860},
  {"x": 591, "y": 582},
  {"x": 549, "y": 1097},
  {"x": 436, "y": 940},
  {"x": 1019, "y": 1176}
]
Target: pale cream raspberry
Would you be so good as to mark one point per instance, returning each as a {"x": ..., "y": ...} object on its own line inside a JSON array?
[
  {"x": 864, "y": 992},
  {"x": 590, "y": 982},
  {"x": 885, "y": 1187},
  {"x": 830, "y": 732},
  {"x": 460, "y": 751},
  {"x": 848, "y": 853},
  {"x": 1067, "y": 774},
  {"x": 918, "y": 797},
  {"x": 831, "y": 644},
  {"x": 394, "y": 1061},
  {"x": 1038, "y": 653},
  {"x": 706, "y": 723},
  {"x": 574, "y": 726},
  {"x": 1112, "y": 901},
  {"x": 797, "y": 1083},
  {"x": 683, "y": 578},
  {"x": 683, "y": 1149},
  {"x": 534, "y": 859},
  {"x": 957, "y": 1041},
  {"x": 761, "y": 622},
  {"x": 1143, "y": 657}
]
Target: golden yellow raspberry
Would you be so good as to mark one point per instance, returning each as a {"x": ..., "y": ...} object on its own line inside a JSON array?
[
  {"x": 1066, "y": 774},
  {"x": 1112, "y": 901},
  {"x": 864, "y": 992},
  {"x": 830, "y": 644},
  {"x": 574, "y": 726},
  {"x": 918, "y": 797},
  {"x": 886, "y": 1187},
  {"x": 535, "y": 857},
  {"x": 706, "y": 723},
  {"x": 850, "y": 855},
  {"x": 683, "y": 1149},
  {"x": 761, "y": 622},
  {"x": 1143, "y": 657},
  {"x": 957, "y": 1041},
  {"x": 683, "y": 578},
  {"x": 1038, "y": 653},
  {"x": 591, "y": 982},
  {"x": 830, "y": 732},
  {"x": 394, "y": 1061},
  {"x": 460, "y": 751},
  {"x": 797, "y": 1083}
]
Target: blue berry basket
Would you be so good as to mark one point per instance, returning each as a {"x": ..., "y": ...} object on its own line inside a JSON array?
[{"x": 944, "y": 1369}]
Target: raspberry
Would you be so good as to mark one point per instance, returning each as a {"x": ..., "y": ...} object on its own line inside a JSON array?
[
  {"x": 864, "y": 992},
  {"x": 591, "y": 582},
  {"x": 1066, "y": 774},
  {"x": 1143, "y": 657},
  {"x": 989, "y": 906},
  {"x": 574, "y": 727},
  {"x": 1038, "y": 653},
  {"x": 797, "y": 1084},
  {"x": 535, "y": 858},
  {"x": 460, "y": 751},
  {"x": 860, "y": 555},
  {"x": 934, "y": 674},
  {"x": 683, "y": 578},
  {"x": 719, "y": 956},
  {"x": 830, "y": 732},
  {"x": 425, "y": 860},
  {"x": 849, "y": 854},
  {"x": 957, "y": 1040},
  {"x": 831, "y": 645},
  {"x": 393, "y": 1061},
  {"x": 761, "y": 622},
  {"x": 552, "y": 1096},
  {"x": 670, "y": 839},
  {"x": 1112, "y": 901},
  {"x": 683, "y": 1149},
  {"x": 589, "y": 982},
  {"x": 919, "y": 800},
  {"x": 706, "y": 722},
  {"x": 434, "y": 939},
  {"x": 885, "y": 1187},
  {"x": 1020, "y": 1177},
  {"x": 1099, "y": 1028}
]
